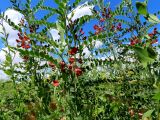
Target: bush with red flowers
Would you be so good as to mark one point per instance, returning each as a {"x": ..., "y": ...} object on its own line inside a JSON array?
[{"x": 96, "y": 62}]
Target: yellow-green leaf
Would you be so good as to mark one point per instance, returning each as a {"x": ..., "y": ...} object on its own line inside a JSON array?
[{"x": 142, "y": 8}]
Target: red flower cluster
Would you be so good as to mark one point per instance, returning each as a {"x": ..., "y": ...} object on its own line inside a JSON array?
[
  {"x": 55, "y": 83},
  {"x": 62, "y": 66},
  {"x": 131, "y": 112},
  {"x": 154, "y": 41},
  {"x": 81, "y": 31},
  {"x": 70, "y": 66},
  {"x": 153, "y": 36},
  {"x": 73, "y": 51},
  {"x": 102, "y": 19},
  {"x": 71, "y": 60},
  {"x": 51, "y": 65},
  {"x": 23, "y": 41},
  {"x": 135, "y": 40},
  {"x": 106, "y": 13},
  {"x": 119, "y": 26},
  {"x": 78, "y": 71},
  {"x": 98, "y": 29},
  {"x": 73, "y": 66}
]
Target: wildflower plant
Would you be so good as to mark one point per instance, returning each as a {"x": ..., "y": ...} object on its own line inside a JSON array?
[{"x": 55, "y": 80}]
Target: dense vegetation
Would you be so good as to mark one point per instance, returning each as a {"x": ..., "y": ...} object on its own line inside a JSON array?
[{"x": 57, "y": 80}]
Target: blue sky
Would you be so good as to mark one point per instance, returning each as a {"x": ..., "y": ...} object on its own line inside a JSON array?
[{"x": 153, "y": 6}]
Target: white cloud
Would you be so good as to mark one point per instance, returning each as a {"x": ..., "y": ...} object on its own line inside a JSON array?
[
  {"x": 42, "y": 63},
  {"x": 55, "y": 34},
  {"x": 15, "y": 17},
  {"x": 103, "y": 58},
  {"x": 3, "y": 76},
  {"x": 86, "y": 52},
  {"x": 2, "y": 54},
  {"x": 15, "y": 56},
  {"x": 81, "y": 11},
  {"x": 1, "y": 28},
  {"x": 98, "y": 44}
]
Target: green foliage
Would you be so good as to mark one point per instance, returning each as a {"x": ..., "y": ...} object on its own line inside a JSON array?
[
  {"x": 147, "y": 114},
  {"x": 153, "y": 18},
  {"x": 145, "y": 55},
  {"x": 70, "y": 86},
  {"x": 142, "y": 8}
]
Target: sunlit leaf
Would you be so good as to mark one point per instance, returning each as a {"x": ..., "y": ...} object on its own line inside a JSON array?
[
  {"x": 157, "y": 96},
  {"x": 153, "y": 18},
  {"x": 145, "y": 55},
  {"x": 142, "y": 8},
  {"x": 147, "y": 114}
]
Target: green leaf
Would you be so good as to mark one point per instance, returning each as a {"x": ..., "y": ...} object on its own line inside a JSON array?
[
  {"x": 153, "y": 19},
  {"x": 8, "y": 58},
  {"x": 98, "y": 111},
  {"x": 151, "y": 53},
  {"x": 157, "y": 96},
  {"x": 142, "y": 8},
  {"x": 57, "y": 1},
  {"x": 8, "y": 72},
  {"x": 40, "y": 3},
  {"x": 145, "y": 55},
  {"x": 147, "y": 114},
  {"x": 61, "y": 31}
]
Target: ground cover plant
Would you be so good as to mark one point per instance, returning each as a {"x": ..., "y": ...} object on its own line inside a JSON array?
[{"x": 109, "y": 72}]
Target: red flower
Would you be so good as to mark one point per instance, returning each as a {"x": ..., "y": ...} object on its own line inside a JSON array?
[
  {"x": 119, "y": 24},
  {"x": 23, "y": 41},
  {"x": 155, "y": 31},
  {"x": 62, "y": 66},
  {"x": 55, "y": 83},
  {"x": 140, "y": 114},
  {"x": 150, "y": 34},
  {"x": 78, "y": 71},
  {"x": 25, "y": 46},
  {"x": 102, "y": 20},
  {"x": 154, "y": 41},
  {"x": 51, "y": 64},
  {"x": 81, "y": 31},
  {"x": 25, "y": 58},
  {"x": 70, "y": 66},
  {"x": 113, "y": 27},
  {"x": 103, "y": 14},
  {"x": 95, "y": 27},
  {"x": 131, "y": 112},
  {"x": 71, "y": 60},
  {"x": 73, "y": 51},
  {"x": 20, "y": 37},
  {"x": 98, "y": 29},
  {"x": 80, "y": 60},
  {"x": 25, "y": 37},
  {"x": 134, "y": 41}
]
